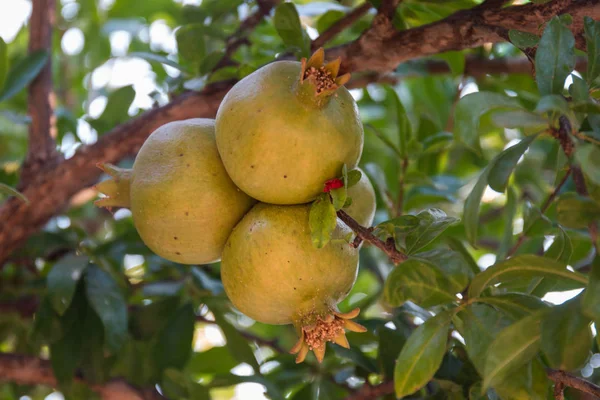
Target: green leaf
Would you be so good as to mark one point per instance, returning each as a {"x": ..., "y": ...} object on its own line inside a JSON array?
[
  {"x": 190, "y": 43},
  {"x": 153, "y": 57},
  {"x": 62, "y": 281},
  {"x": 471, "y": 107},
  {"x": 8, "y": 191},
  {"x": 497, "y": 171},
  {"x": 455, "y": 60},
  {"x": 592, "y": 38},
  {"x": 590, "y": 303},
  {"x": 518, "y": 119},
  {"x": 391, "y": 342},
  {"x": 4, "y": 62},
  {"x": 174, "y": 345},
  {"x": 288, "y": 26},
  {"x": 354, "y": 177},
  {"x": 479, "y": 324},
  {"x": 432, "y": 223},
  {"x": 566, "y": 336},
  {"x": 527, "y": 382},
  {"x": 555, "y": 57},
  {"x": 236, "y": 343},
  {"x": 216, "y": 360},
  {"x": 512, "y": 348},
  {"x": 552, "y": 103},
  {"x": 421, "y": 282},
  {"x": 404, "y": 127},
  {"x": 452, "y": 265},
  {"x": 105, "y": 297},
  {"x": 515, "y": 305},
  {"x": 588, "y": 156},
  {"x": 322, "y": 220},
  {"x": 503, "y": 165},
  {"x": 422, "y": 355},
  {"x": 459, "y": 247},
  {"x": 510, "y": 210},
  {"x": 23, "y": 73},
  {"x": 523, "y": 266},
  {"x": 523, "y": 40},
  {"x": 576, "y": 212},
  {"x": 383, "y": 137},
  {"x": 47, "y": 327},
  {"x": 561, "y": 248},
  {"x": 339, "y": 195}
]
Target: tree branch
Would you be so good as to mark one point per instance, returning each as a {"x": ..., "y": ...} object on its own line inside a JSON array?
[
  {"x": 50, "y": 189},
  {"x": 461, "y": 30},
  {"x": 340, "y": 25},
  {"x": 29, "y": 370},
  {"x": 42, "y": 130},
  {"x": 365, "y": 234},
  {"x": 562, "y": 378}
]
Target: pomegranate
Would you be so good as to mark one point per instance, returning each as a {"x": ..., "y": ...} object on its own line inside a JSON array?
[
  {"x": 363, "y": 204},
  {"x": 288, "y": 127},
  {"x": 272, "y": 273},
  {"x": 184, "y": 205}
]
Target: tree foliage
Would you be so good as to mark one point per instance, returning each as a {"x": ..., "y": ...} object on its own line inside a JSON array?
[{"x": 488, "y": 183}]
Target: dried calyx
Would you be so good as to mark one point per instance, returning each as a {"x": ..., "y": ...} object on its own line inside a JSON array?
[
  {"x": 318, "y": 81},
  {"x": 330, "y": 328},
  {"x": 116, "y": 189}
]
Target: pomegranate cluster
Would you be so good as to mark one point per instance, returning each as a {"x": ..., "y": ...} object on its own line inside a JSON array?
[{"x": 239, "y": 189}]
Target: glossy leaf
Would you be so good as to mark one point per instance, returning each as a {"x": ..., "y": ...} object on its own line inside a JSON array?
[
  {"x": 522, "y": 39},
  {"x": 236, "y": 343},
  {"x": 555, "y": 57},
  {"x": 515, "y": 305},
  {"x": 106, "y": 298},
  {"x": 577, "y": 212},
  {"x": 322, "y": 220},
  {"x": 592, "y": 38},
  {"x": 588, "y": 156},
  {"x": 190, "y": 43},
  {"x": 288, "y": 26},
  {"x": 22, "y": 73},
  {"x": 432, "y": 223},
  {"x": 523, "y": 266},
  {"x": 404, "y": 127},
  {"x": 504, "y": 164},
  {"x": 174, "y": 345},
  {"x": 422, "y": 355},
  {"x": 62, "y": 281},
  {"x": 566, "y": 338},
  {"x": 512, "y": 348}
]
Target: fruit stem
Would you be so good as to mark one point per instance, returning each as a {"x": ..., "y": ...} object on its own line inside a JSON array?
[
  {"x": 116, "y": 189},
  {"x": 319, "y": 81}
]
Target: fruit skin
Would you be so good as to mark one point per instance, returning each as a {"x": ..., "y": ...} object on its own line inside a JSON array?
[
  {"x": 272, "y": 272},
  {"x": 364, "y": 202},
  {"x": 184, "y": 204},
  {"x": 279, "y": 144}
]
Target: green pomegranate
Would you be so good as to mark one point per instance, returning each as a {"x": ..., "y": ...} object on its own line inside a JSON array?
[
  {"x": 288, "y": 127},
  {"x": 184, "y": 205},
  {"x": 272, "y": 273},
  {"x": 363, "y": 204}
]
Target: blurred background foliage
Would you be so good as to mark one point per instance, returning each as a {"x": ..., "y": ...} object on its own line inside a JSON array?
[{"x": 131, "y": 314}]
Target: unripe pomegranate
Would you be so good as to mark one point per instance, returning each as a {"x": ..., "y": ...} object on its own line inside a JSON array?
[
  {"x": 184, "y": 205},
  {"x": 272, "y": 272},
  {"x": 364, "y": 203},
  {"x": 288, "y": 127}
]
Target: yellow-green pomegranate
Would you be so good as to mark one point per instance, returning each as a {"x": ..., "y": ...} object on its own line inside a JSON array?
[
  {"x": 288, "y": 127},
  {"x": 184, "y": 205},
  {"x": 364, "y": 203},
  {"x": 272, "y": 273}
]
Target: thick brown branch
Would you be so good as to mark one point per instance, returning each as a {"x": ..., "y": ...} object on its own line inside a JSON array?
[
  {"x": 340, "y": 25},
  {"x": 42, "y": 130},
  {"x": 50, "y": 190},
  {"x": 29, "y": 370},
  {"x": 463, "y": 29},
  {"x": 366, "y": 235},
  {"x": 563, "y": 378}
]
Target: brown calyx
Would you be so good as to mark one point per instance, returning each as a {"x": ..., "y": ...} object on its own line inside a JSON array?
[
  {"x": 321, "y": 77},
  {"x": 329, "y": 328}
]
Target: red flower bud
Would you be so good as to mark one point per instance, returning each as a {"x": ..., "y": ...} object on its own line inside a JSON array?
[{"x": 331, "y": 184}]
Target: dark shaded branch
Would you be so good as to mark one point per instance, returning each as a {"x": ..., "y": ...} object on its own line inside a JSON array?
[
  {"x": 340, "y": 25},
  {"x": 42, "y": 130},
  {"x": 29, "y": 370},
  {"x": 50, "y": 189},
  {"x": 365, "y": 234},
  {"x": 240, "y": 36},
  {"x": 563, "y": 379}
]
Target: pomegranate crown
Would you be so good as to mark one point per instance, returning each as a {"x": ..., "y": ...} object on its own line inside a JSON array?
[
  {"x": 321, "y": 78},
  {"x": 314, "y": 336},
  {"x": 116, "y": 189}
]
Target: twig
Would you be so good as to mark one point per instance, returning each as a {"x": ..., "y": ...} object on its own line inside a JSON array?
[
  {"x": 559, "y": 391},
  {"x": 42, "y": 130},
  {"x": 341, "y": 24},
  {"x": 366, "y": 235},
  {"x": 368, "y": 392},
  {"x": 29, "y": 370},
  {"x": 240, "y": 36},
  {"x": 543, "y": 210},
  {"x": 566, "y": 379}
]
